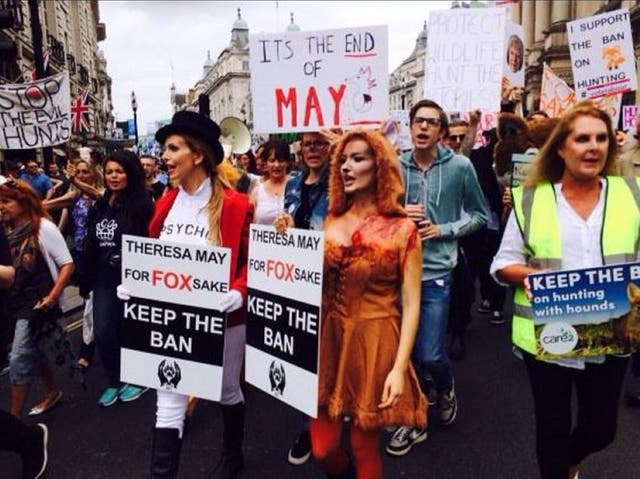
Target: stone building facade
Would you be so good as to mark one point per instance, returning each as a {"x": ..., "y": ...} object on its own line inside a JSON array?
[{"x": 71, "y": 31}]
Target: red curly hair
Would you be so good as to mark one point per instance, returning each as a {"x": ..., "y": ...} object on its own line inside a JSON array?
[
  {"x": 22, "y": 192},
  {"x": 388, "y": 188}
]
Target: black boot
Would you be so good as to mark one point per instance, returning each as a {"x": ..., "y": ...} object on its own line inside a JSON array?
[
  {"x": 232, "y": 460},
  {"x": 165, "y": 453},
  {"x": 350, "y": 473}
]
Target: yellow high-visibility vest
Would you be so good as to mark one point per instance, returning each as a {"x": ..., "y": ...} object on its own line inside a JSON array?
[{"x": 536, "y": 213}]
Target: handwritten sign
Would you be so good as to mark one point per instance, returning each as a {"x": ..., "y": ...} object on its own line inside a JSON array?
[
  {"x": 557, "y": 97},
  {"x": 629, "y": 114},
  {"x": 586, "y": 312},
  {"x": 35, "y": 114},
  {"x": 304, "y": 81},
  {"x": 465, "y": 58},
  {"x": 283, "y": 325},
  {"x": 172, "y": 339},
  {"x": 602, "y": 55}
]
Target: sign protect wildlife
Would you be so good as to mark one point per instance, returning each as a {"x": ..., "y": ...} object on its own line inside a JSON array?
[
  {"x": 172, "y": 338},
  {"x": 284, "y": 280},
  {"x": 587, "y": 312}
]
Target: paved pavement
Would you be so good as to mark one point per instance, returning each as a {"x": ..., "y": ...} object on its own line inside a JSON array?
[{"x": 492, "y": 437}]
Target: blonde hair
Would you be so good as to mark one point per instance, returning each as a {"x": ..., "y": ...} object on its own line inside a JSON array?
[
  {"x": 549, "y": 166},
  {"x": 218, "y": 185},
  {"x": 94, "y": 168}
]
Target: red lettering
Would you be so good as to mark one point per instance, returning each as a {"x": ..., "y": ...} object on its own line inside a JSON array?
[
  {"x": 313, "y": 103},
  {"x": 156, "y": 276},
  {"x": 289, "y": 101},
  {"x": 336, "y": 96},
  {"x": 280, "y": 270}
]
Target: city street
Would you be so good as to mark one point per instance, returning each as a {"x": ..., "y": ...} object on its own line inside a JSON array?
[{"x": 492, "y": 437}]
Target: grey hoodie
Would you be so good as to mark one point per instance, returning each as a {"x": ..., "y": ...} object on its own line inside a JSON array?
[{"x": 447, "y": 188}]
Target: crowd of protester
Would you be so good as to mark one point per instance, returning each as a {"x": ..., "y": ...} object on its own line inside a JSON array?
[{"x": 419, "y": 229}]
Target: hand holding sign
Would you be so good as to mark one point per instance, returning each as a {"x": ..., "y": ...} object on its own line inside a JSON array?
[{"x": 230, "y": 302}]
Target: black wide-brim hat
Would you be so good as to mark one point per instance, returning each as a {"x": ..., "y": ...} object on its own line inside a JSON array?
[{"x": 196, "y": 125}]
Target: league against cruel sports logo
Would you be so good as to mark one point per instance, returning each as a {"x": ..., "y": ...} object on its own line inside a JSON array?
[
  {"x": 277, "y": 378},
  {"x": 169, "y": 374}
]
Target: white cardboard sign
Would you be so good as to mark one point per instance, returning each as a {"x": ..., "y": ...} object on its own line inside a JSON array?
[
  {"x": 283, "y": 325},
  {"x": 602, "y": 56},
  {"x": 465, "y": 59},
  {"x": 172, "y": 337},
  {"x": 304, "y": 81}
]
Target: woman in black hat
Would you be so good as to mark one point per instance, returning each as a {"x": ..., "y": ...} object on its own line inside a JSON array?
[{"x": 219, "y": 216}]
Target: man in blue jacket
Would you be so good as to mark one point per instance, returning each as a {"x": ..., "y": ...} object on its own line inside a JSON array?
[{"x": 439, "y": 185}]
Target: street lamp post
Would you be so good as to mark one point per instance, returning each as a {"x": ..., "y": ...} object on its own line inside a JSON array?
[{"x": 134, "y": 107}]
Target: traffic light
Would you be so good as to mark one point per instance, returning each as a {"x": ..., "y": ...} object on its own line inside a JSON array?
[{"x": 8, "y": 48}]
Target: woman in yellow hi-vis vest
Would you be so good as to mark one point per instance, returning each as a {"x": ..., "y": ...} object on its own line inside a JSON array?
[{"x": 570, "y": 214}]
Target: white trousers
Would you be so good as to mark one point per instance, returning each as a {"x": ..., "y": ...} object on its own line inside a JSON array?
[{"x": 171, "y": 406}]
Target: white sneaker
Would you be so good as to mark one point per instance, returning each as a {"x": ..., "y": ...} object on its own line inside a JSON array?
[
  {"x": 448, "y": 406},
  {"x": 404, "y": 438}
]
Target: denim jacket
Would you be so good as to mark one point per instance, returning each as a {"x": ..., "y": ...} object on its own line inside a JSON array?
[{"x": 317, "y": 196}]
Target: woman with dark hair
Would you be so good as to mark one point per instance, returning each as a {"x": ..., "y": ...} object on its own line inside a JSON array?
[
  {"x": 124, "y": 208},
  {"x": 43, "y": 266},
  {"x": 571, "y": 213},
  {"x": 221, "y": 217},
  {"x": 370, "y": 305},
  {"x": 268, "y": 196}
]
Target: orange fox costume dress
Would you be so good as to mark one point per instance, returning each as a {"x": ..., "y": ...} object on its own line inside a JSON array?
[{"x": 361, "y": 307}]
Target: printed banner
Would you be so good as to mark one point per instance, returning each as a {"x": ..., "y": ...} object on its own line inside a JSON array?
[
  {"x": 285, "y": 294},
  {"x": 36, "y": 114},
  {"x": 586, "y": 312},
  {"x": 304, "y": 81},
  {"x": 629, "y": 114},
  {"x": 520, "y": 164},
  {"x": 602, "y": 55},
  {"x": 465, "y": 58},
  {"x": 172, "y": 339}
]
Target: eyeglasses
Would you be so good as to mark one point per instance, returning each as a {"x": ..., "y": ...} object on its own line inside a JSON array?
[
  {"x": 314, "y": 144},
  {"x": 419, "y": 120},
  {"x": 456, "y": 137}
]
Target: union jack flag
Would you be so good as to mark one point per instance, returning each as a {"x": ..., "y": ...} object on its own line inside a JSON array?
[{"x": 80, "y": 112}]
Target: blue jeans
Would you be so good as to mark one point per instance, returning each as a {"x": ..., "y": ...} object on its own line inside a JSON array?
[
  {"x": 107, "y": 316},
  {"x": 429, "y": 354}
]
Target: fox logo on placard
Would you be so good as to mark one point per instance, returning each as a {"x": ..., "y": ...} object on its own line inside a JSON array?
[
  {"x": 169, "y": 374},
  {"x": 277, "y": 378},
  {"x": 105, "y": 229}
]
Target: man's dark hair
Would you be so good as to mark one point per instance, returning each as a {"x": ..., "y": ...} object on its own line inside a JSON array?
[{"x": 444, "y": 120}]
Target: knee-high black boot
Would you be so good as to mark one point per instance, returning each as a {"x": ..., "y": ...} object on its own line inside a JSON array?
[
  {"x": 165, "y": 457},
  {"x": 232, "y": 460}
]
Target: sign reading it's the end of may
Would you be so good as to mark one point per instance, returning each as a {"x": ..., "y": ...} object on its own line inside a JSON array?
[
  {"x": 304, "y": 81},
  {"x": 172, "y": 338},
  {"x": 602, "y": 56},
  {"x": 283, "y": 325},
  {"x": 586, "y": 312},
  {"x": 35, "y": 114},
  {"x": 465, "y": 59}
]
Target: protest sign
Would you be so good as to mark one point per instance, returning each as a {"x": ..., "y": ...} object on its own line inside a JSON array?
[
  {"x": 402, "y": 133},
  {"x": 304, "y": 81},
  {"x": 586, "y": 312},
  {"x": 629, "y": 114},
  {"x": 602, "y": 55},
  {"x": 514, "y": 54},
  {"x": 520, "y": 164},
  {"x": 557, "y": 97},
  {"x": 35, "y": 114},
  {"x": 172, "y": 339},
  {"x": 465, "y": 58},
  {"x": 283, "y": 325}
]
